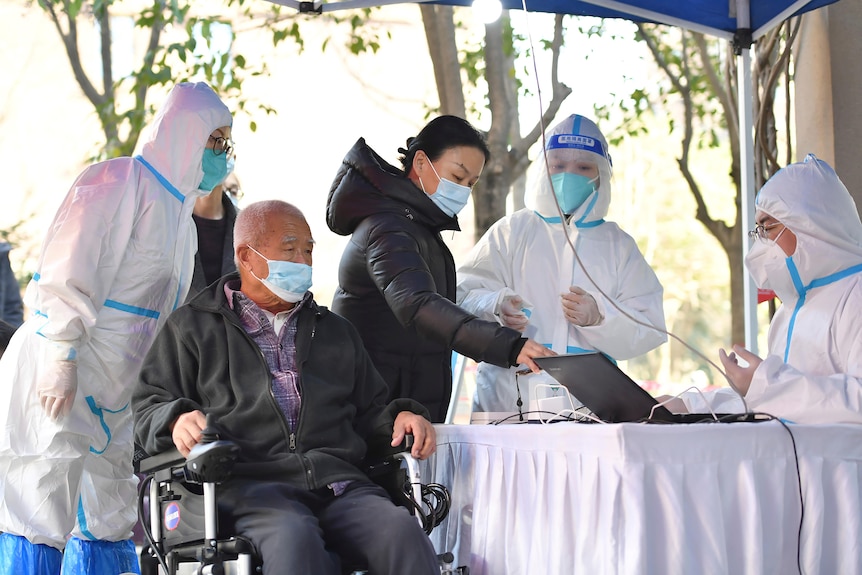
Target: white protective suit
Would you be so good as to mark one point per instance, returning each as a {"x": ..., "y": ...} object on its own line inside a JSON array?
[
  {"x": 117, "y": 259},
  {"x": 526, "y": 253},
  {"x": 813, "y": 370}
]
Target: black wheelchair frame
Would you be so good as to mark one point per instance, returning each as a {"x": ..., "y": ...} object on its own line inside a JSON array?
[{"x": 181, "y": 525}]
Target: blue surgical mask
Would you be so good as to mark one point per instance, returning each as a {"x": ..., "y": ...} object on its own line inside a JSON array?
[
  {"x": 215, "y": 170},
  {"x": 449, "y": 197},
  {"x": 288, "y": 281},
  {"x": 572, "y": 190},
  {"x": 231, "y": 164}
]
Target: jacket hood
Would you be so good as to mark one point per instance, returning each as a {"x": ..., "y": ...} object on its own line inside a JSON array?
[
  {"x": 366, "y": 185},
  {"x": 180, "y": 132},
  {"x": 580, "y": 137},
  {"x": 811, "y": 201}
]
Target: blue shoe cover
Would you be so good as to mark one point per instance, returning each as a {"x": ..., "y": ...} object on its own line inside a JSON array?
[
  {"x": 17, "y": 556},
  {"x": 99, "y": 557}
]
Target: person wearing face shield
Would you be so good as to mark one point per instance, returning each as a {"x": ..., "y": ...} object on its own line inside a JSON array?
[
  {"x": 807, "y": 249},
  {"x": 117, "y": 259},
  {"x": 397, "y": 276},
  {"x": 524, "y": 274},
  {"x": 291, "y": 384}
]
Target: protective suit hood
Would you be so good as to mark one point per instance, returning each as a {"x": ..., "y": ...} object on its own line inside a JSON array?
[
  {"x": 581, "y": 138},
  {"x": 814, "y": 204},
  {"x": 179, "y": 134}
]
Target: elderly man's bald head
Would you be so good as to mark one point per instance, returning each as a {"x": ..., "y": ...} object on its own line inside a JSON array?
[
  {"x": 253, "y": 223},
  {"x": 266, "y": 233}
]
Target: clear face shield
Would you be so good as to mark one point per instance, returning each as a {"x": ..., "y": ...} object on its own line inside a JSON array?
[{"x": 574, "y": 174}]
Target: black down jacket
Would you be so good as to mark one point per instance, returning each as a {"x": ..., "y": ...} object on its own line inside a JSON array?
[{"x": 397, "y": 283}]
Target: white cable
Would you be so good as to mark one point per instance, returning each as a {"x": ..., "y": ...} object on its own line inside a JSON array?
[{"x": 693, "y": 387}]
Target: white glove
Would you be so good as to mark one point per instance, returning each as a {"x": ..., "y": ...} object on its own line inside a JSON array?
[
  {"x": 580, "y": 308},
  {"x": 58, "y": 380},
  {"x": 512, "y": 313}
]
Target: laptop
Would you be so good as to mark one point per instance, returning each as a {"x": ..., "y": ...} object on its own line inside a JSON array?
[{"x": 608, "y": 392}]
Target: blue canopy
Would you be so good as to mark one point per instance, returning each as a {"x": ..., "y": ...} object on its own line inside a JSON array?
[{"x": 714, "y": 17}]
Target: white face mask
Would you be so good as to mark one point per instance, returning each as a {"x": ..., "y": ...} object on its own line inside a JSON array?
[
  {"x": 767, "y": 264},
  {"x": 449, "y": 196},
  {"x": 288, "y": 281}
]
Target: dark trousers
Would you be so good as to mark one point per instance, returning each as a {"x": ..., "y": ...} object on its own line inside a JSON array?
[{"x": 299, "y": 532}]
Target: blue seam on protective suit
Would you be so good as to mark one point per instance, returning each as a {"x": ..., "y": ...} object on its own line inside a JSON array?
[
  {"x": 82, "y": 521},
  {"x": 36, "y": 276},
  {"x": 99, "y": 412},
  {"x": 803, "y": 291},
  {"x": 580, "y": 223},
  {"x": 38, "y": 313},
  {"x": 176, "y": 193},
  {"x": 589, "y": 224},
  {"x": 800, "y": 290},
  {"x": 558, "y": 220},
  {"x": 168, "y": 186},
  {"x": 554, "y": 220},
  {"x": 179, "y": 293},
  {"x": 132, "y": 309}
]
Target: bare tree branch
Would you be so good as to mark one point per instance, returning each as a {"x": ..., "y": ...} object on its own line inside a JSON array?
[
  {"x": 767, "y": 91},
  {"x": 70, "y": 43},
  {"x": 719, "y": 89},
  {"x": 559, "y": 92}
]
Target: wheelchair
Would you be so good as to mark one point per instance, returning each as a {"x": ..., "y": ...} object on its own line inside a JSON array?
[{"x": 177, "y": 508}]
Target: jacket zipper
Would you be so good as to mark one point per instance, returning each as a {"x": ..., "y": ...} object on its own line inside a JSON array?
[{"x": 283, "y": 418}]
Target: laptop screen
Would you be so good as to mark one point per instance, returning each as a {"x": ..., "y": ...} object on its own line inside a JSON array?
[{"x": 603, "y": 388}]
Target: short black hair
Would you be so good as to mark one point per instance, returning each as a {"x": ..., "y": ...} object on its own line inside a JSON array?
[{"x": 441, "y": 134}]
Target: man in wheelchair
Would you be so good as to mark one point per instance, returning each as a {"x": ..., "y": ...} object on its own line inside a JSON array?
[{"x": 291, "y": 385}]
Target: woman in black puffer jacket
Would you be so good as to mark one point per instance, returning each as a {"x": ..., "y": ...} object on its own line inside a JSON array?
[{"x": 397, "y": 276}]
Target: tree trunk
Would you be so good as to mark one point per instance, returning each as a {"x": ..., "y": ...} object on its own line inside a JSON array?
[
  {"x": 440, "y": 34},
  {"x": 490, "y": 205}
]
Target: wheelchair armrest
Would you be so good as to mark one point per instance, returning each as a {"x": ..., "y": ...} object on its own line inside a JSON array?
[
  {"x": 207, "y": 462},
  {"x": 164, "y": 460},
  {"x": 210, "y": 460}
]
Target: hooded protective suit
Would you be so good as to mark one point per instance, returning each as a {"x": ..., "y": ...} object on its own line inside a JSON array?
[
  {"x": 813, "y": 370},
  {"x": 117, "y": 259},
  {"x": 527, "y": 254}
]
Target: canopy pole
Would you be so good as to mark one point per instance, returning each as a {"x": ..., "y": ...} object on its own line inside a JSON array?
[{"x": 742, "y": 47}]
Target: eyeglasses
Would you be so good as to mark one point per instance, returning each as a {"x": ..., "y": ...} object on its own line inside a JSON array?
[
  {"x": 761, "y": 232},
  {"x": 222, "y": 146},
  {"x": 234, "y": 191}
]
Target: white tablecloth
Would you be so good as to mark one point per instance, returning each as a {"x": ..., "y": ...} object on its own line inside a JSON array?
[{"x": 665, "y": 499}]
